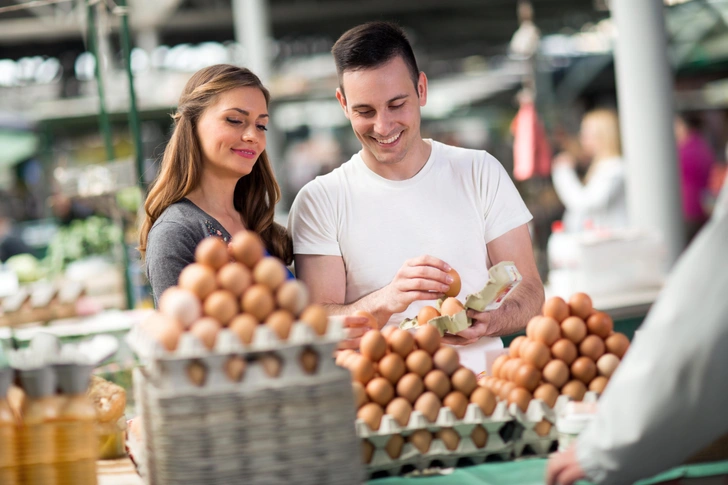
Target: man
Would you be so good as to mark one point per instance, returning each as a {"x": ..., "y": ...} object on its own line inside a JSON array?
[
  {"x": 667, "y": 399},
  {"x": 380, "y": 233}
]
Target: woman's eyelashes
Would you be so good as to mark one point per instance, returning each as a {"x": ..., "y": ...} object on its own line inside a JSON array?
[{"x": 233, "y": 121}]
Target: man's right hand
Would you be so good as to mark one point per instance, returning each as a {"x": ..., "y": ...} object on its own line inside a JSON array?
[{"x": 421, "y": 278}]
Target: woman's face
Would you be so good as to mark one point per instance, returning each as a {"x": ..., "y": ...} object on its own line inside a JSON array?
[
  {"x": 589, "y": 137},
  {"x": 232, "y": 132}
]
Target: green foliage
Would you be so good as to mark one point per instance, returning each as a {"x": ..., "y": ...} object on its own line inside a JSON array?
[{"x": 81, "y": 239}]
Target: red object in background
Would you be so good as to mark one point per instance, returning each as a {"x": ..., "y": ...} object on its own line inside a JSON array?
[{"x": 531, "y": 149}]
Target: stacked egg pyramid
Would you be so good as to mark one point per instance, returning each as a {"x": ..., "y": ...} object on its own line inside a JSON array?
[
  {"x": 236, "y": 287},
  {"x": 399, "y": 374},
  {"x": 569, "y": 350}
]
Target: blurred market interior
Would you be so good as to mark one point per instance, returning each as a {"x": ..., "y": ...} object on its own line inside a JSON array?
[{"x": 70, "y": 188}]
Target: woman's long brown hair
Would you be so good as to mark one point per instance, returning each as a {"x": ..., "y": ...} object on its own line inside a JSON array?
[{"x": 256, "y": 194}]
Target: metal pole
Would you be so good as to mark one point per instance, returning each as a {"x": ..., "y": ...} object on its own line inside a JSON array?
[
  {"x": 93, "y": 46},
  {"x": 645, "y": 94}
]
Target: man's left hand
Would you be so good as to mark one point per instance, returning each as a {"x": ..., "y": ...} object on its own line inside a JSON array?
[
  {"x": 563, "y": 468},
  {"x": 473, "y": 333}
]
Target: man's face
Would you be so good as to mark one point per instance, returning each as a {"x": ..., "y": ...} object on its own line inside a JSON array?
[{"x": 384, "y": 109}]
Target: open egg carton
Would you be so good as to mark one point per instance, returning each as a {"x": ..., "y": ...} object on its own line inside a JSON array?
[
  {"x": 438, "y": 455},
  {"x": 276, "y": 419},
  {"x": 529, "y": 442}
]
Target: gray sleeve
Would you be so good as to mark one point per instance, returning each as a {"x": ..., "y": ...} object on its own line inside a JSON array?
[
  {"x": 667, "y": 399},
  {"x": 170, "y": 247}
]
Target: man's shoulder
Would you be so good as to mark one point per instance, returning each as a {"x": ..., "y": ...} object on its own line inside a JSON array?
[
  {"x": 329, "y": 183},
  {"x": 462, "y": 157}
]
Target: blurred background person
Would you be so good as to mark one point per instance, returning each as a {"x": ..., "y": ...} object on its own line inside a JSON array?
[
  {"x": 599, "y": 200},
  {"x": 10, "y": 241}
]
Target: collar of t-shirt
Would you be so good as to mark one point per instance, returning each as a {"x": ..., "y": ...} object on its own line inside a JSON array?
[{"x": 365, "y": 171}]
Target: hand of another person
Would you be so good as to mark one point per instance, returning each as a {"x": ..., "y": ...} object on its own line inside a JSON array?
[
  {"x": 421, "y": 278},
  {"x": 355, "y": 326},
  {"x": 472, "y": 334},
  {"x": 563, "y": 468},
  {"x": 564, "y": 159}
]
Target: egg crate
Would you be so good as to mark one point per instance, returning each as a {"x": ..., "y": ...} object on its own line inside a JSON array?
[
  {"x": 411, "y": 457},
  {"x": 527, "y": 441},
  {"x": 260, "y": 430}
]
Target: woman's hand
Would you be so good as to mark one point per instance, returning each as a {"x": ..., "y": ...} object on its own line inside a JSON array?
[
  {"x": 564, "y": 159},
  {"x": 355, "y": 326},
  {"x": 563, "y": 468}
]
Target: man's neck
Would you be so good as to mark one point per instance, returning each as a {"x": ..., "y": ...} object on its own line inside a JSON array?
[{"x": 406, "y": 168}]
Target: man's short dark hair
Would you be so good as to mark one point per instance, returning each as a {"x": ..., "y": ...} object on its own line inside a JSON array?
[{"x": 371, "y": 45}]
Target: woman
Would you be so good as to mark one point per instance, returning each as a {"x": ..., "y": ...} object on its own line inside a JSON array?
[
  {"x": 215, "y": 178},
  {"x": 599, "y": 202}
]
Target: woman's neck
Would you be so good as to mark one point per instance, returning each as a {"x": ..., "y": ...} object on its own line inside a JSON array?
[{"x": 215, "y": 196}]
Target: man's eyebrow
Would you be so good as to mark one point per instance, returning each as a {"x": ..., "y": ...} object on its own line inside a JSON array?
[
  {"x": 396, "y": 98},
  {"x": 246, "y": 113}
]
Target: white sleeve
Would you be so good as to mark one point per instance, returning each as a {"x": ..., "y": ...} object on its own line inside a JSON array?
[
  {"x": 668, "y": 398},
  {"x": 312, "y": 222},
  {"x": 605, "y": 185},
  {"x": 502, "y": 205}
]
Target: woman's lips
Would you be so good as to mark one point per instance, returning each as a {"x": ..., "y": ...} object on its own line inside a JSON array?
[{"x": 249, "y": 154}]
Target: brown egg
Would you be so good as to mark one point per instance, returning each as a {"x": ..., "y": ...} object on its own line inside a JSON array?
[
  {"x": 258, "y": 301},
  {"x": 580, "y": 305},
  {"x": 451, "y": 306},
  {"x": 292, "y": 296},
  {"x": 343, "y": 355},
  {"x": 392, "y": 367},
  {"x": 309, "y": 361},
  {"x": 361, "y": 369},
  {"x": 235, "y": 368},
  {"x": 197, "y": 373},
  {"x": 360, "y": 394},
  {"x": 371, "y": 321},
  {"x": 479, "y": 436},
  {"x": 428, "y": 339},
  {"x": 429, "y": 405},
  {"x": 498, "y": 364},
  {"x": 575, "y": 389},
  {"x": 247, "y": 247},
  {"x": 457, "y": 402},
  {"x": 536, "y": 354},
  {"x": 199, "y": 279},
  {"x": 271, "y": 364},
  {"x": 600, "y": 324},
  {"x": 446, "y": 359},
  {"x": 547, "y": 393},
  {"x": 419, "y": 362},
  {"x": 410, "y": 387},
  {"x": 421, "y": 439},
  {"x": 164, "y": 329},
  {"x": 514, "y": 348},
  {"x": 506, "y": 389},
  {"x": 521, "y": 397},
  {"x": 387, "y": 330},
  {"x": 598, "y": 384},
  {"x": 592, "y": 347},
  {"x": 509, "y": 366},
  {"x": 449, "y": 438},
  {"x": 281, "y": 322},
  {"x": 400, "y": 409},
  {"x": 607, "y": 364},
  {"x": 373, "y": 345},
  {"x": 221, "y": 305},
  {"x": 371, "y": 413},
  {"x": 244, "y": 326},
  {"x": 574, "y": 329},
  {"x": 235, "y": 278},
  {"x": 315, "y": 316},
  {"x": 497, "y": 385},
  {"x": 584, "y": 369},
  {"x": 564, "y": 349},
  {"x": 617, "y": 344},
  {"x": 180, "y": 304},
  {"x": 380, "y": 391},
  {"x": 270, "y": 272},
  {"x": 367, "y": 450},
  {"x": 394, "y": 446},
  {"x": 212, "y": 252},
  {"x": 437, "y": 381},
  {"x": 206, "y": 330},
  {"x": 531, "y": 326},
  {"x": 556, "y": 372},
  {"x": 455, "y": 285},
  {"x": 528, "y": 377},
  {"x": 547, "y": 330},
  {"x": 401, "y": 342},
  {"x": 556, "y": 308},
  {"x": 426, "y": 314},
  {"x": 464, "y": 380},
  {"x": 485, "y": 399},
  {"x": 543, "y": 428}
]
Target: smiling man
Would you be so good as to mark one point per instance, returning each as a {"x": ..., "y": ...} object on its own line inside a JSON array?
[{"x": 379, "y": 233}]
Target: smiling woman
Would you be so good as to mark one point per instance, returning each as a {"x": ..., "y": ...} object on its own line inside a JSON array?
[{"x": 215, "y": 178}]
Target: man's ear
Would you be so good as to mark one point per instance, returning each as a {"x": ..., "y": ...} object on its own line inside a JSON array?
[
  {"x": 342, "y": 101},
  {"x": 422, "y": 88}
]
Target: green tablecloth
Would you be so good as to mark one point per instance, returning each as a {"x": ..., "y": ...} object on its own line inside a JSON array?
[{"x": 532, "y": 471}]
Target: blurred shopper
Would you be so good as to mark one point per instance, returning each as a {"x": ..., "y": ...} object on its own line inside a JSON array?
[
  {"x": 10, "y": 241},
  {"x": 215, "y": 178},
  {"x": 600, "y": 201},
  {"x": 696, "y": 161},
  {"x": 667, "y": 399},
  {"x": 380, "y": 233}
]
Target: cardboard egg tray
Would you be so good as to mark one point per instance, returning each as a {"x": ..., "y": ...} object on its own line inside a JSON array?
[
  {"x": 438, "y": 454},
  {"x": 529, "y": 443},
  {"x": 296, "y": 427}
]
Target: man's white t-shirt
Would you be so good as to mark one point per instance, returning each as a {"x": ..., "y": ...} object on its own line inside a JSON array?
[{"x": 460, "y": 201}]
